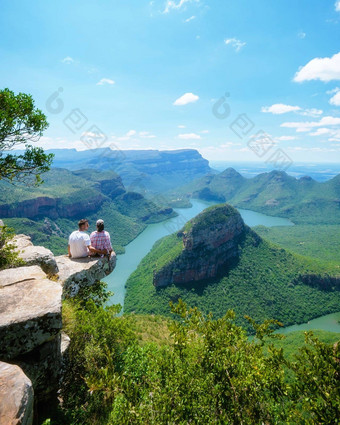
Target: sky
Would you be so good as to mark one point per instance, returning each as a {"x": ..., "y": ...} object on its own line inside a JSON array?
[{"x": 238, "y": 80}]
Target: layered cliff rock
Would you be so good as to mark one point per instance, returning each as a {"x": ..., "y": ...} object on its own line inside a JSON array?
[
  {"x": 209, "y": 241},
  {"x": 31, "y": 323},
  {"x": 44, "y": 206},
  {"x": 30, "y": 310},
  {"x": 80, "y": 272},
  {"x": 149, "y": 170}
]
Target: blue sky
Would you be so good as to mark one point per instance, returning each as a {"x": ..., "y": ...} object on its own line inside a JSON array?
[{"x": 235, "y": 79}]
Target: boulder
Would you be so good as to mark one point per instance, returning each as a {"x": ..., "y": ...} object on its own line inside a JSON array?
[
  {"x": 16, "y": 396},
  {"x": 32, "y": 254},
  {"x": 75, "y": 273},
  {"x": 30, "y": 310},
  {"x": 12, "y": 276}
]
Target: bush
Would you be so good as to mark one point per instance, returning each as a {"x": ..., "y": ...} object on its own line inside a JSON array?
[
  {"x": 209, "y": 372},
  {"x": 8, "y": 257}
]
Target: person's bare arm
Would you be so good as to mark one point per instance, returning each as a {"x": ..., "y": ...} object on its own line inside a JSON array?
[
  {"x": 69, "y": 251},
  {"x": 95, "y": 250}
]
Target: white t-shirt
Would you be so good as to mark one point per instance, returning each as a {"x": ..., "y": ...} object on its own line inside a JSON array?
[{"x": 79, "y": 241}]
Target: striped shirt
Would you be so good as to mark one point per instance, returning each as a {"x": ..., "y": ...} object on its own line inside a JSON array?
[{"x": 101, "y": 240}]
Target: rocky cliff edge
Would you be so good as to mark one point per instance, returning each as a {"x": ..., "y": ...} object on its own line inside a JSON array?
[{"x": 31, "y": 323}]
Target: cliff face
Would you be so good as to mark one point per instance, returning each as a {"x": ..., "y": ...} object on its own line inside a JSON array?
[
  {"x": 44, "y": 206},
  {"x": 184, "y": 161},
  {"x": 210, "y": 240},
  {"x": 31, "y": 323},
  {"x": 149, "y": 170}
]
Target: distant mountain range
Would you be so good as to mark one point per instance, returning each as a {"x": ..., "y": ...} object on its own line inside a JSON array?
[
  {"x": 303, "y": 200},
  {"x": 141, "y": 170}
]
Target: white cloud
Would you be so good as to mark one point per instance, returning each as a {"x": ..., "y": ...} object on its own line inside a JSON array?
[
  {"x": 315, "y": 149},
  {"x": 334, "y": 90},
  {"x": 146, "y": 135},
  {"x": 170, "y": 4},
  {"x": 335, "y": 100},
  {"x": 105, "y": 81},
  {"x": 68, "y": 60},
  {"x": 280, "y": 108},
  {"x": 301, "y": 34},
  {"x": 324, "y": 69},
  {"x": 190, "y": 19},
  {"x": 332, "y": 134},
  {"x": 321, "y": 132},
  {"x": 337, "y": 5},
  {"x": 205, "y": 131},
  {"x": 313, "y": 112},
  {"x": 131, "y": 133},
  {"x": 181, "y": 126},
  {"x": 185, "y": 99},
  {"x": 308, "y": 125},
  {"x": 60, "y": 143},
  {"x": 235, "y": 43},
  {"x": 285, "y": 138},
  {"x": 133, "y": 136},
  {"x": 189, "y": 136}
]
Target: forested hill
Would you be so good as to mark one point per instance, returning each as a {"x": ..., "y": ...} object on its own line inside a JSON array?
[
  {"x": 303, "y": 200},
  {"x": 49, "y": 213},
  {"x": 140, "y": 170},
  {"x": 218, "y": 263}
]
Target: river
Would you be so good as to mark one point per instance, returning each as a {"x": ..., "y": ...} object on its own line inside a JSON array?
[{"x": 137, "y": 249}]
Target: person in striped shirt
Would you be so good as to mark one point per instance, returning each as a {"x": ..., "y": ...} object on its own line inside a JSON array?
[{"x": 100, "y": 239}]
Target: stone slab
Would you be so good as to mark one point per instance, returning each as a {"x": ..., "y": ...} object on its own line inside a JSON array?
[
  {"x": 32, "y": 254},
  {"x": 16, "y": 396},
  {"x": 30, "y": 314}
]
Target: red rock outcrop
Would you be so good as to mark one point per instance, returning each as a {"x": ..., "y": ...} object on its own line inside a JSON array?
[{"x": 209, "y": 242}]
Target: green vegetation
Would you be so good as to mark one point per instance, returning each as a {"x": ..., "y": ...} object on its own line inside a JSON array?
[
  {"x": 21, "y": 123},
  {"x": 293, "y": 341},
  {"x": 169, "y": 251},
  {"x": 58, "y": 183},
  {"x": 45, "y": 232},
  {"x": 8, "y": 257},
  {"x": 304, "y": 200},
  {"x": 318, "y": 241},
  {"x": 210, "y": 216},
  {"x": 193, "y": 370},
  {"x": 264, "y": 282},
  {"x": 75, "y": 195},
  {"x": 53, "y": 234}
]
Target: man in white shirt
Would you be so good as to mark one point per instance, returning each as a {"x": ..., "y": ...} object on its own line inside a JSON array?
[{"x": 79, "y": 243}]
